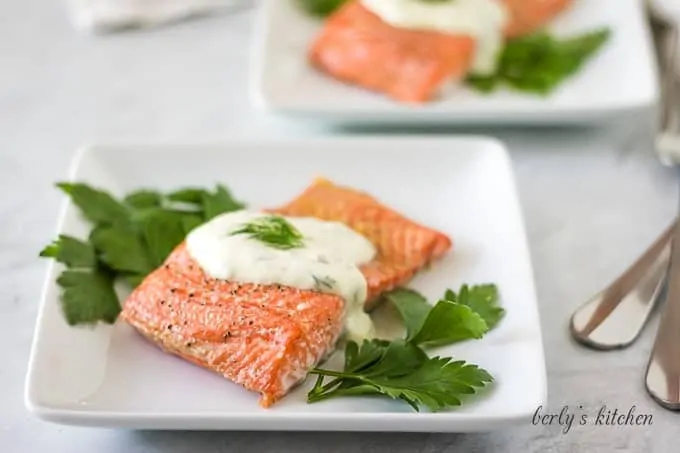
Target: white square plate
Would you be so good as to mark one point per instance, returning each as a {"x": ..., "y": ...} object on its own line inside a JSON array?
[
  {"x": 111, "y": 376},
  {"x": 620, "y": 78}
]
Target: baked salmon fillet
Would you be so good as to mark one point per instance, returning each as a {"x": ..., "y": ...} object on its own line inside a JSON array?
[
  {"x": 267, "y": 337},
  {"x": 263, "y": 337},
  {"x": 357, "y": 47},
  {"x": 403, "y": 246}
]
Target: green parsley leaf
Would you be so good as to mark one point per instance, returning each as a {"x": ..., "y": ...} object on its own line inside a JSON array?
[
  {"x": 538, "y": 63},
  {"x": 482, "y": 299},
  {"x": 144, "y": 198},
  {"x": 189, "y": 222},
  {"x": 88, "y": 297},
  {"x": 219, "y": 202},
  {"x": 273, "y": 230},
  {"x": 374, "y": 354},
  {"x": 71, "y": 251},
  {"x": 122, "y": 249},
  {"x": 484, "y": 84},
  {"x": 134, "y": 280},
  {"x": 400, "y": 370},
  {"x": 320, "y": 8},
  {"x": 371, "y": 355},
  {"x": 397, "y": 358},
  {"x": 211, "y": 203},
  {"x": 439, "y": 383},
  {"x": 449, "y": 322},
  {"x": 412, "y": 307},
  {"x": 128, "y": 240},
  {"x": 96, "y": 205},
  {"x": 190, "y": 195},
  {"x": 458, "y": 317},
  {"x": 163, "y": 231}
]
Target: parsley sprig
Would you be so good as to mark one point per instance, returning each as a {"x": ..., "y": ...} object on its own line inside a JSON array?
[
  {"x": 320, "y": 8},
  {"x": 539, "y": 63},
  {"x": 274, "y": 231},
  {"x": 129, "y": 239},
  {"x": 401, "y": 369}
]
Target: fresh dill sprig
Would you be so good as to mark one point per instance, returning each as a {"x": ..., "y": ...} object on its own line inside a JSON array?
[{"x": 274, "y": 231}]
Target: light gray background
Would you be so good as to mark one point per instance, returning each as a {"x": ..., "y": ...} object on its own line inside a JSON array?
[{"x": 593, "y": 199}]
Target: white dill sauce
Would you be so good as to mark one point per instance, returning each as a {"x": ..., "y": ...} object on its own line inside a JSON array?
[
  {"x": 484, "y": 20},
  {"x": 328, "y": 260}
]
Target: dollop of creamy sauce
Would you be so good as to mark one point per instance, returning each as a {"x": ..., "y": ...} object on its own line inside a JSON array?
[
  {"x": 484, "y": 20},
  {"x": 328, "y": 261}
]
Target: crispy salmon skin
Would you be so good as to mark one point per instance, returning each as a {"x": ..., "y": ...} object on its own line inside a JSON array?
[
  {"x": 267, "y": 337},
  {"x": 403, "y": 246}
]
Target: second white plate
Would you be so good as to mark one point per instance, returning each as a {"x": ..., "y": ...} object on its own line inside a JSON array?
[{"x": 622, "y": 77}]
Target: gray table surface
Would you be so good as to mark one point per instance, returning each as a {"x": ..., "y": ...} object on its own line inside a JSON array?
[{"x": 593, "y": 199}]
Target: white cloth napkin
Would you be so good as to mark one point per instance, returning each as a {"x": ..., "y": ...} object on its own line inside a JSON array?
[{"x": 111, "y": 15}]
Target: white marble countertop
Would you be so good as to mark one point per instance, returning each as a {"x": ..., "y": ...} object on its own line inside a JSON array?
[{"x": 593, "y": 199}]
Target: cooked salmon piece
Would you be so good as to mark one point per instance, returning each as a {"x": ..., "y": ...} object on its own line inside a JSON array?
[
  {"x": 403, "y": 246},
  {"x": 263, "y": 337},
  {"x": 357, "y": 47},
  {"x": 527, "y": 16}
]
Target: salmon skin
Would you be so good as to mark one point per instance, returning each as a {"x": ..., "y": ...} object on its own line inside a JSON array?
[
  {"x": 357, "y": 47},
  {"x": 267, "y": 337},
  {"x": 263, "y": 337},
  {"x": 403, "y": 246}
]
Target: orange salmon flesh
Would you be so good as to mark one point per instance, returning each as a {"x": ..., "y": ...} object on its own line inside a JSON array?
[{"x": 357, "y": 47}]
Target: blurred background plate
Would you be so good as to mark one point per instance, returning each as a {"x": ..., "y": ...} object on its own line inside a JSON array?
[{"x": 621, "y": 78}]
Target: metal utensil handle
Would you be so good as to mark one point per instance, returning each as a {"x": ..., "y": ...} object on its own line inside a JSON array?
[
  {"x": 663, "y": 371},
  {"x": 632, "y": 296},
  {"x": 668, "y": 65}
]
